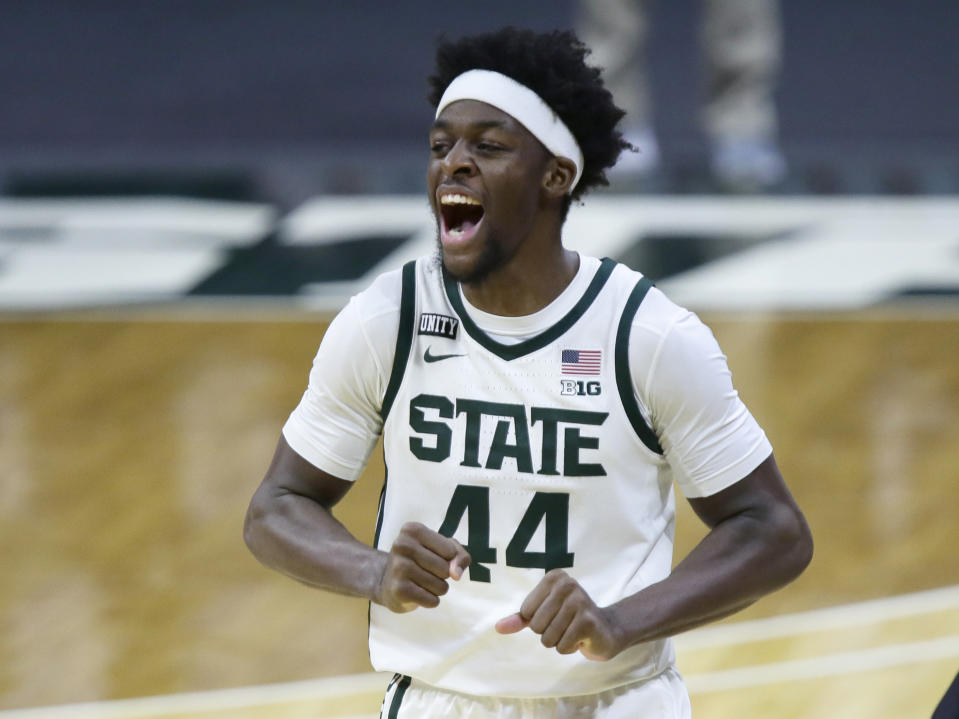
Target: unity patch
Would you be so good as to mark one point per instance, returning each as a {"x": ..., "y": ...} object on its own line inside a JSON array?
[{"x": 438, "y": 325}]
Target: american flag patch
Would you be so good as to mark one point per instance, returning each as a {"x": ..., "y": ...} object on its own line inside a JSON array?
[{"x": 582, "y": 361}]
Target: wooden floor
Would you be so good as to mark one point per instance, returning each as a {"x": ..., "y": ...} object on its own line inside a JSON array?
[{"x": 130, "y": 445}]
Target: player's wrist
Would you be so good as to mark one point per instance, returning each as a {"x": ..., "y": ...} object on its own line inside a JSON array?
[
  {"x": 629, "y": 623},
  {"x": 374, "y": 588},
  {"x": 616, "y": 628}
]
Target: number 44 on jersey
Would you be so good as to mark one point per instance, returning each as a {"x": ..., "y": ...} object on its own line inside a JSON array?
[{"x": 551, "y": 508}]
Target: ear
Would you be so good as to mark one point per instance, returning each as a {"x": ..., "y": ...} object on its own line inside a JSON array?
[{"x": 559, "y": 176}]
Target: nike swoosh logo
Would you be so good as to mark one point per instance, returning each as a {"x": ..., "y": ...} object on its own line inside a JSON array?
[{"x": 436, "y": 358}]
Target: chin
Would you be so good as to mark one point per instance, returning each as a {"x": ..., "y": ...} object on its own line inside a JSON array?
[
  {"x": 471, "y": 268},
  {"x": 466, "y": 270}
]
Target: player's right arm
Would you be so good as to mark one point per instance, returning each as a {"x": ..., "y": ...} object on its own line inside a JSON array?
[
  {"x": 326, "y": 442},
  {"x": 290, "y": 527}
]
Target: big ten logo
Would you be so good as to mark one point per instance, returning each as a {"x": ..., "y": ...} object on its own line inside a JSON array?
[{"x": 580, "y": 387}]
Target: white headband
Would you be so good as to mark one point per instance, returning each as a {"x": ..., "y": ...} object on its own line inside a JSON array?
[{"x": 517, "y": 100}]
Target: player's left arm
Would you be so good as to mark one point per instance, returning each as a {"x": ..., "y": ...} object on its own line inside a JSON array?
[
  {"x": 758, "y": 539},
  {"x": 758, "y": 542}
]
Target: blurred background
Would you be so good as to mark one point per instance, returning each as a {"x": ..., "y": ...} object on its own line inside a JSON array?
[
  {"x": 189, "y": 190},
  {"x": 295, "y": 98}
]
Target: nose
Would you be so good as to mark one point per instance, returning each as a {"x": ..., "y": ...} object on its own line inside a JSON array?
[{"x": 459, "y": 160}]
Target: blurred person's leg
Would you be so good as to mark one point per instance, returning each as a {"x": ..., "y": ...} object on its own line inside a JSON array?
[
  {"x": 615, "y": 31},
  {"x": 742, "y": 50}
]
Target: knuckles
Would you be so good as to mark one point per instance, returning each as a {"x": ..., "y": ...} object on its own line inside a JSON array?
[
  {"x": 560, "y": 581},
  {"x": 411, "y": 528},
  {"x": 408, "y": 538}
]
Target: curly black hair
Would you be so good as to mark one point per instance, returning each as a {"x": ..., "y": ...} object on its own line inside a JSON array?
[{"x": 553, "y": 65}]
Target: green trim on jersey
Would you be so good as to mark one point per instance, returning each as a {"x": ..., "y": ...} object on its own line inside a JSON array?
[
  {"x": 511, "y": 352},
  {"x": 404, "y": 336},
  {"x": 404, "y": 341},
  {"x": 401, "y": 687},
  {"x": 381, "y": 504},
  {"x": 624, "y": 379}
]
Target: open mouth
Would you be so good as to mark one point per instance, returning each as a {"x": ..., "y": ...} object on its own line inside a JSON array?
[{"x": 460, "y": 215}]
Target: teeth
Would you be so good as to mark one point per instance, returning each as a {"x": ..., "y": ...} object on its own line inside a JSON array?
[
  {"x": 455, "y": 233},
  {"x": 457, "y": 200}
]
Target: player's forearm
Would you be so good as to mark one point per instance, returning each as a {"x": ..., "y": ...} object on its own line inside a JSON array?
[
  {"x": 739, "y": 561},
  {"x": 302, "y": 539}
]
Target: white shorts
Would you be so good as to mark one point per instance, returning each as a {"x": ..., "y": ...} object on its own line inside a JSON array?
[{"x": 662, "y": 697}]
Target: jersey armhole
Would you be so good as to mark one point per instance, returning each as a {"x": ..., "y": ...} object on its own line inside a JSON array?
[
  {"x": 404, "y": 337},
  {"x": 624, "y": 378}
]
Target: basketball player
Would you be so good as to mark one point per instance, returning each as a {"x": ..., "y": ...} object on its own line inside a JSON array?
[{"x": 536, "y": 406}]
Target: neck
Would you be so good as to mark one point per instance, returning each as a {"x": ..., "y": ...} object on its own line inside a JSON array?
[{"x": 527, "y": 283}]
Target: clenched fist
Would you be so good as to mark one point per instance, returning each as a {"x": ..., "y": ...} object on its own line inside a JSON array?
[
  {"x": 417, "y": 569},
  {"x": 565, "y": 617}
]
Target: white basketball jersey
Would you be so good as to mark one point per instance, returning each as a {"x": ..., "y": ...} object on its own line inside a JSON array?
[{"x": 534, "y": 456}]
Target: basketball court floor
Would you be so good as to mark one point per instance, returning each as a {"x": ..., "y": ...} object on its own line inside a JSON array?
[{"x": 138, "y": 412}]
